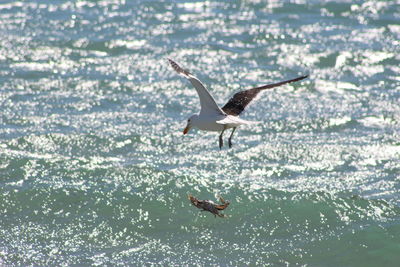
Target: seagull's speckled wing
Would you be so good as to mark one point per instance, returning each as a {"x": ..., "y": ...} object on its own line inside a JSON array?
[{"x": 240, "y": 100}]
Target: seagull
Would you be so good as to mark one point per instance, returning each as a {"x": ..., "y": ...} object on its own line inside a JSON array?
[{"x": 214, "y": 118}]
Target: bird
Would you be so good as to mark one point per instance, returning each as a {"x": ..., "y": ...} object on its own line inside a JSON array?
[{"x": 214, "y": 118}]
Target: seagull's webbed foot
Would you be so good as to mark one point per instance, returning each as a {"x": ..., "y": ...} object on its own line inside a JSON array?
[
  {"x": 230, "y": 138},
  {"x": 221, "y": 142}
]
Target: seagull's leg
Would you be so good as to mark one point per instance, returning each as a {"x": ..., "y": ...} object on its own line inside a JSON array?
[
  {"x": 221, "y": 142},
  {"x": 230, "y": 137}
]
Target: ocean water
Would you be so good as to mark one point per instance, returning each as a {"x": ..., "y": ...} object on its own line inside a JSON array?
[{"x": 95, "y": 171}]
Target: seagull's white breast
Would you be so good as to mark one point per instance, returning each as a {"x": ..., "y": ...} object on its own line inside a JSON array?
[{"x": 209, "y": 123}]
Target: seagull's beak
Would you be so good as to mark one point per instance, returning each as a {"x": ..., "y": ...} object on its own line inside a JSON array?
[{"x": 187, "y": 128}]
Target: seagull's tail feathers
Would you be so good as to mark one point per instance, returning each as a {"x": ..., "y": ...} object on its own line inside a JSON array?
[{"x": 235, "y": 121}]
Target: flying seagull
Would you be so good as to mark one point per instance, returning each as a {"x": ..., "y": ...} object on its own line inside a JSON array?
[{"x": 214, "y": 118}]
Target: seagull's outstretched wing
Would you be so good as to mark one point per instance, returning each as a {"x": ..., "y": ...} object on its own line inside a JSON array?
[
  {"x": 240, "y": 100},
  {"x": 207, "y": 102}
]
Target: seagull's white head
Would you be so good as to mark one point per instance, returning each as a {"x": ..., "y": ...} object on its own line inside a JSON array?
[{"x": 190, "y": 123}]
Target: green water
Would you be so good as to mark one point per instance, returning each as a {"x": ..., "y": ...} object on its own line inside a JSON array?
[{"x": 95, "y": 171}]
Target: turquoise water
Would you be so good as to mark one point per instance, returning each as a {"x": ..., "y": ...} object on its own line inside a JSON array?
[{"x": 95, "y": 171}]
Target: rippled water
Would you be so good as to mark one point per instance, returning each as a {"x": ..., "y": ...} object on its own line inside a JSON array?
[{"x": 94, "y": 169}]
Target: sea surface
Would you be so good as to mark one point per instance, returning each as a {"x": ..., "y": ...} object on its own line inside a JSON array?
[{"x": 95, "y": 170}]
